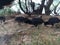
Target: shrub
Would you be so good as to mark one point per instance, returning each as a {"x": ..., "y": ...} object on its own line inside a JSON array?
[{"x": 6, "y": 11}]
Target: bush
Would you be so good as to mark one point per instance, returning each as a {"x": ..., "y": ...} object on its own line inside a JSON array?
[{"x": 6, "y": 11}]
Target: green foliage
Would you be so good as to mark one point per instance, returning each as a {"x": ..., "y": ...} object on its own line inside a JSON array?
[{"x": 6, "y": 11}]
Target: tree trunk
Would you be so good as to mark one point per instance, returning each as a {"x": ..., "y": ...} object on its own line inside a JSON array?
[
  {"x": 21, "y": 6},
  {"x": 41, "y": 6},
  {"x": 56, "y": 8},
  {"x": 47, "y": 7},
  {"x": 33, "y": 6}
]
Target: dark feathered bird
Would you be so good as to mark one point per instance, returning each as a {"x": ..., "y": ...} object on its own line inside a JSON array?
[
  {"x": 19, "y": 19},
  {"x": 22, "y": 19},
  {"x": 28, "y": 21},
  {"x": 52, "y": 21},
  {"x": 36, "y": 21}
]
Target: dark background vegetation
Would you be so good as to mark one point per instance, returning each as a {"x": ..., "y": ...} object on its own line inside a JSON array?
[{"x": 28, "y": 7}]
